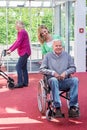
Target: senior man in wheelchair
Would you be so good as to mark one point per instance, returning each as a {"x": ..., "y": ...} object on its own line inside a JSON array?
[{"x": 58, "y": 65}]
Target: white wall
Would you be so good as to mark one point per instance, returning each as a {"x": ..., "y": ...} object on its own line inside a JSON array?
[{"x": 80, "y": 38}]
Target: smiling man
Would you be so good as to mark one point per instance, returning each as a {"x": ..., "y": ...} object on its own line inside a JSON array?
[{"x": 58, "y": 65}]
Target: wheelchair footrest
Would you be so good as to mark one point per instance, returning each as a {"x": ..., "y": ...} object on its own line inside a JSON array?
[
  {"x": 51, "y": 114},
  {"x": 59, "y": 115}
]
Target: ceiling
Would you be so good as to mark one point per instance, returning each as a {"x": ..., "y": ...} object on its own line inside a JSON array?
[{"x": 31, "y": 3}]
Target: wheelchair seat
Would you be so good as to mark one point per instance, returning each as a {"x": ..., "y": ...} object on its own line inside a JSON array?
[{"x": 44, "y": 95}]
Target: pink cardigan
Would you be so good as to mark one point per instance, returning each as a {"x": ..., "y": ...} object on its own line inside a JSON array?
[{"x": 22, "y": 43}]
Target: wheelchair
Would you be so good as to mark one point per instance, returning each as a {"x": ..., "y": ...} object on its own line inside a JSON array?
[{"x": 45, "y": 100}]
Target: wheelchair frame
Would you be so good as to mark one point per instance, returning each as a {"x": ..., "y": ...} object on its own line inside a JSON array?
[{"x": 44, "y": 97}]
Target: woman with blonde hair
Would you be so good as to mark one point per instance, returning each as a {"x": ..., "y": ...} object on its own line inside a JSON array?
[{"x": 46, "y": 39}]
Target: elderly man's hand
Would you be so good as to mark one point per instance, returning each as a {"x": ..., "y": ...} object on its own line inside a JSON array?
[
  {"x": 56, "y": 75},
  {"x": 62, "y": 76}
]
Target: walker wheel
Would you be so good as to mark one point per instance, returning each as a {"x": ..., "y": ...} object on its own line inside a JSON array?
[{"x": 10, "y": 85}]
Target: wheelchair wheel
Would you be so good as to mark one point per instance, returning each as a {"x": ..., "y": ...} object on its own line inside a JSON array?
[
  {"x": 49, "y": 114},
  {"x": 41, "y": 97},
  {"x": 67, "y": 100}
]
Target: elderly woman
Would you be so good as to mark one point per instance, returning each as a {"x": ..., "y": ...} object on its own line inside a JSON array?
[{"x": 22, "y": 44}]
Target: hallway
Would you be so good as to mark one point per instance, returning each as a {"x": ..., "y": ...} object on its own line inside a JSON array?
[{"x": 19, "y": 111}]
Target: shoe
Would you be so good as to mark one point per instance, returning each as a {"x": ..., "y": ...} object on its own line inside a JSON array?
[
  {"x": 58, "y": 113},
  {"x": 74, "y": 112},
  {"x": 25, "y": 85},
  {"x": 18, "y": 86}
]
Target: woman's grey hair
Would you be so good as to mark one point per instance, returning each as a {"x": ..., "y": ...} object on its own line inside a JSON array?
[{"x": 20, "y": 24}]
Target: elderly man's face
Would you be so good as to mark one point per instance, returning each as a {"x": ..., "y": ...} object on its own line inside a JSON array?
[{"x": 57, "y": 47}]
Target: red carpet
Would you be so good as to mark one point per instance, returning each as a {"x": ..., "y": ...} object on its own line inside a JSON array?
[{"x": 19, "y": 111}]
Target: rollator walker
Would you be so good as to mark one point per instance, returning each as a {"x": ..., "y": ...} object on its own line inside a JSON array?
[{"x": 10, "y": 81}]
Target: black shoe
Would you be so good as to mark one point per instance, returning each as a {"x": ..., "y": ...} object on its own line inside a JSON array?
[
  {"x": 74, "y": 112},
  {"x": 58, "y": 113},
  {"x": 25, "y": 85},
  {"x": 18, "y": 86}
]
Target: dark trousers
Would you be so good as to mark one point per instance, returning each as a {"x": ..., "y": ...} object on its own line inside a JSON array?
[{"x": 22, "y": 71}]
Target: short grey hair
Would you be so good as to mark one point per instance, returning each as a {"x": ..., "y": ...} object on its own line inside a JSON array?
[
  {"x": 20, "y": 24},
  {"x": 55, "y": 40}
]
